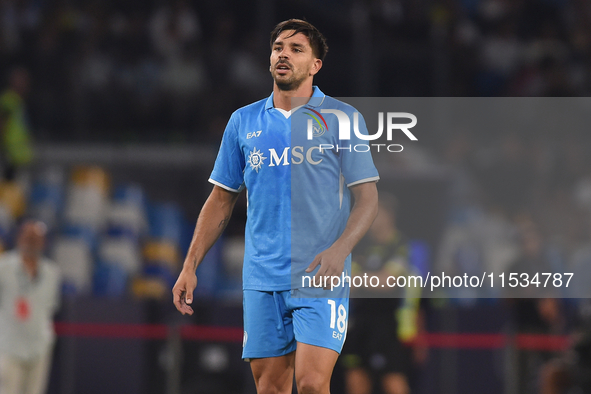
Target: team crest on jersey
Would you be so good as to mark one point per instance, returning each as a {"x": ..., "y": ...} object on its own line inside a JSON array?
[{"x": 256, "y": 159}]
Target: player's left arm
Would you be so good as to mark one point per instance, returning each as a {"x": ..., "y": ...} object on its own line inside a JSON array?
[{"x": 363, "y": 213}]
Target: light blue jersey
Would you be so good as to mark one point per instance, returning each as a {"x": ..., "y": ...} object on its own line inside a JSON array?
[{"x": 298, "y": 200}]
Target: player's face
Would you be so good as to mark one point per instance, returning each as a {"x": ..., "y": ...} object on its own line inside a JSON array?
[
  {"x": 31, "y": 239},
  {"x": 292, "y": 60}
]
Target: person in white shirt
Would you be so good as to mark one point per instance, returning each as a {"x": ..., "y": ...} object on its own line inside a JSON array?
[{"x": 29, "y": 297}]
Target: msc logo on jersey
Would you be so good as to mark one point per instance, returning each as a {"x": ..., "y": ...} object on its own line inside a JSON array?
[
  {"x": 299, "y": 155},
  {"x": 256, "y": 159},
  {"x": 319, "y": 128},
  {"x": 253, "y": 134}
]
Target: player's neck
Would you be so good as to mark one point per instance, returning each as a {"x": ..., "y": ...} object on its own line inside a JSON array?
[
  {"x": 288, "y": 99},
  {"x": 31, "y": 266}
]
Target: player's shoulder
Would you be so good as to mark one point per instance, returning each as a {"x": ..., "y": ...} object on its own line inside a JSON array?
[
  {"x": 250, "y": 109},
  {"x": 8, "y": 257},
  {"x": 8, "y": 261},
  {"x": 244, "y": 115},
  {"x": 330, "y": 102},
  {"x": 51, "y": 268}
]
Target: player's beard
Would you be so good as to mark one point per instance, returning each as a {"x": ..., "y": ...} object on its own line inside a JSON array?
[{"x": 291, "y": 83}]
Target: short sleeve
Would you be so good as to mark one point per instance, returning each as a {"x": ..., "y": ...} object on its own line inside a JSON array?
[
  {"x": 356, "y": 162},
  {"x": 228, "y": 171}
]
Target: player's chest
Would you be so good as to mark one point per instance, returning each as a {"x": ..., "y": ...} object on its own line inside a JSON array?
[{"x": 18, "y": 287}]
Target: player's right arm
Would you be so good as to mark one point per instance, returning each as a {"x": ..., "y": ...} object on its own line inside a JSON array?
[{"x": 212, "y": 221}]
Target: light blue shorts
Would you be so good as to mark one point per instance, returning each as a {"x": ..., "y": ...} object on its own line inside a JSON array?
[{"x": 274, "y": 322}]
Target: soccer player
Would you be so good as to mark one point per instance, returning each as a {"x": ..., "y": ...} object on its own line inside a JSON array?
[{"x": 300, "y": 220}]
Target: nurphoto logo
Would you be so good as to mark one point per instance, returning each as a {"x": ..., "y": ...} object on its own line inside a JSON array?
[{"x": 317, "y": 129}]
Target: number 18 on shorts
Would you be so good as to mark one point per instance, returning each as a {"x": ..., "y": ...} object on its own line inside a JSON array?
[{"x": 275, "y": 321}]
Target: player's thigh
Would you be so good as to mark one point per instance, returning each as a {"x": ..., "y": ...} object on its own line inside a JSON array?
[
  {"x": 273, "y": 374},
  {"x": 320, "y": 322},
  {"x": 38, "y": 374},
  {"x": 314, "y": 366},
  {"x": 11, "y": 375},
  {"x": 268, "y": 325}
]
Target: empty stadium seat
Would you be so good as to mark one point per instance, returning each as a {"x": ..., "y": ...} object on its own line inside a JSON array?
[
  {"x": 13, "y": 198},
  {"x": 121, "y": 252},
  {"x": 92, "y": 176},
  {"x": 166, "y": 222},
  {"x": 126, "y": 219},
  {"x": 162, "y": 252},
  {"x": 109, "y": 280},
  {"x": 86, "y": 206},
  {"x": 73, "y": 256}
]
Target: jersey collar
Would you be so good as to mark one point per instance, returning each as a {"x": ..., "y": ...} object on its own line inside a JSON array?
[{"x": 315, "y": 101}]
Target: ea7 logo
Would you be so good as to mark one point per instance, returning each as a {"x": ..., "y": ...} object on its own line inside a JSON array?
[
  {"x": 253, "y": 134},
  {"x": 345, "y": 125}
]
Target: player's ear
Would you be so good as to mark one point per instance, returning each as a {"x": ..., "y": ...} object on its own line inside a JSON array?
[{"x": 316, "y": 66}]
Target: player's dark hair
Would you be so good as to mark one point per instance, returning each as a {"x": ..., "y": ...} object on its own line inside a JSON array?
[{"x": 317, "y": 40}]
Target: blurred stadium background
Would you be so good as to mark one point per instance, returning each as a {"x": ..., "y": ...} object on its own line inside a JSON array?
[{"x": 127, "y": 104}]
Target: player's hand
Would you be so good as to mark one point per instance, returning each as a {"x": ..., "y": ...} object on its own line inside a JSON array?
[
  {"x": 331, "y": 262},
  {"x": 182, "y": 292}
]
